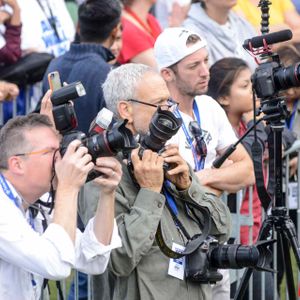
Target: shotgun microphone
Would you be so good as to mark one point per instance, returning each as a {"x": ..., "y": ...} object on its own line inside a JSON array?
[{"x": 270, "y": 38}]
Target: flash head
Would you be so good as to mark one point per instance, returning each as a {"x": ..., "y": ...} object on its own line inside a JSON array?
[{"x": 69, "y": 92}]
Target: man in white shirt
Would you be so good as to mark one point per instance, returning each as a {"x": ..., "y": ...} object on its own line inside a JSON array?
[
  {"x": 46, "y": 26},
  {"x": 182, "y": 58},
  {"x": 29, "y": 161}
]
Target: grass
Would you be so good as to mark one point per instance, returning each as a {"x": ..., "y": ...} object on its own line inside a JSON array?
[
  {"x": 65, "y": 288},
  {"x": 295, "y": 276}
]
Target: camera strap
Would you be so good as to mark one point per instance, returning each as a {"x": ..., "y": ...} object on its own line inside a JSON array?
[
  {"x": 262, "y": 192},
  {"x": 194, "y": 242}
]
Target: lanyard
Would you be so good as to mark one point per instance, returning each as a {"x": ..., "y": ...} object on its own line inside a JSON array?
[
  {"x": 169, "y": 198},
  {"x": 289, "y": 123},
  {"x": 8, "y": 192},
  {"x": 51, "y": 20},
  {"x": 199, "y": 164}
]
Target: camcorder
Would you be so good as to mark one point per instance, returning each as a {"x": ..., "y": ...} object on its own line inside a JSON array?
[{"x": 105, "y": 142}]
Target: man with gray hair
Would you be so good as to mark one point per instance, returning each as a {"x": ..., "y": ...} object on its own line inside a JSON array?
[
  {"x": 29, "y": 161},
  {"x": 145, "y": 200}
]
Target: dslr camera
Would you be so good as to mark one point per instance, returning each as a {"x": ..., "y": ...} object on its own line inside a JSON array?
[
  {"x": 202, "y": 265},
  {"x": 106, "y": 142},
  {"x": 271, "y": 77},
  {"x": 164, "y": 124}
]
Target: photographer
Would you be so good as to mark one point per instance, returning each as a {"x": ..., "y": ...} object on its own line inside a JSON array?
[
  {"x": 139, "y": 270},
  {"x": 30, "y": 163}
]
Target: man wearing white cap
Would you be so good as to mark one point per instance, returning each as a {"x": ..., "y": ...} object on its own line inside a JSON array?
[{"x": 182, "y": 58}]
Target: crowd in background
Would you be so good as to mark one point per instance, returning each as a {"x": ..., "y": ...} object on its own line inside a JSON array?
[{"x": 87, "y": 47}]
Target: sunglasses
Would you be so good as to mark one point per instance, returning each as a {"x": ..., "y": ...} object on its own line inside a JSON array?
[{"x": 197, "y": 133}]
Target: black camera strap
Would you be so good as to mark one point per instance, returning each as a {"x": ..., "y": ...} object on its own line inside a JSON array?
[{"x": 194, "y": 242}]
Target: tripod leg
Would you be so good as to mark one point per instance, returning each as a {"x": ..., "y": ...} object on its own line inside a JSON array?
[
  {"x": 287, "y": 263},
  {"x": 291, "y": 236},
  {"x": 264, "y": 234}
]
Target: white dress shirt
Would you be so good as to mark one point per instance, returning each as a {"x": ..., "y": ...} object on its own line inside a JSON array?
[{"x": 27, "y": 255}]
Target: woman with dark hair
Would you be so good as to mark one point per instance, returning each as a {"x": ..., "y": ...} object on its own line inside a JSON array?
[{"x": 230, "y": 84}]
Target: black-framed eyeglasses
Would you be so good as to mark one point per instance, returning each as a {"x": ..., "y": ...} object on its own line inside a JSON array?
[{"x": 170, "y": 104}]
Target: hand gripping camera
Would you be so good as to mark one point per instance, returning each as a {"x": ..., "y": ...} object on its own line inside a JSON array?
[{"x": 108, "y": 142}]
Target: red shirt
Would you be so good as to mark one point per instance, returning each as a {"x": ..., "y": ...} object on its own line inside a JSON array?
[
  {"x": 256, "y": 207},
  {"x": 136, "y": 40}
]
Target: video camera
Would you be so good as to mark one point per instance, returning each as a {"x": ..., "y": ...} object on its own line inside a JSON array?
[{"x": 108, "y": 141}]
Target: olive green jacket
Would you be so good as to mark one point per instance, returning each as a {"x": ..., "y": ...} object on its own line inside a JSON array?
[{"x": 139, "y": 268}]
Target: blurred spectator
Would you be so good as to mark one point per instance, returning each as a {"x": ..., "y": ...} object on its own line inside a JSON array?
[
  {"x": 140, "y": 30},
  {"x": 99, "y": 22},
  {"x": 171, "y": 13},
  {"x": 289, "y": 55},
  {"x": 223, "y": 29},
  {"x": 230, "y": 84},
  {"x": 50, "y": 30},
  {"x": 8, "y": 91},
  {"x": 116, "y": 47},
  {"x": 297, "y": 5},
  {"x": 10, "y": 40},
  {"x": 283, "y": 15}
]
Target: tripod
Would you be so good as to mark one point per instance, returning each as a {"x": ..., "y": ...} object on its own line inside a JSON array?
[{"x": 278, "y": 221}]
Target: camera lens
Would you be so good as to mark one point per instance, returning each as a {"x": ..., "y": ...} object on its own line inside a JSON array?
[
  {"x": 163, "y": 126},
  {"x": 286, "y": 78}
]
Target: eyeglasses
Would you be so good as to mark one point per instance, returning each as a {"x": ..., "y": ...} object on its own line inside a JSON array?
[
  {"x": 170, "y": 105},
  {"x": 42, "y": 151}
]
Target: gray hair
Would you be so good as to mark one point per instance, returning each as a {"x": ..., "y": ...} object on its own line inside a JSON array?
[
  {"x": 121, "y": 84},
  {"x": 12, "y": 135}
]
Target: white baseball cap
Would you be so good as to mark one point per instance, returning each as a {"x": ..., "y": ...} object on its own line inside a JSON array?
[{"x": 171, "y": 46}]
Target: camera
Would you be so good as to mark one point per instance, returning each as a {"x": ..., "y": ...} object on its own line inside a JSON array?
[
  {"x": 202, "y": 265},
  {"x": 63, "y": 110},
  {"x": 109, "y": 142},
  {"x": 164, "y": 124},
  {"x": 271, "y": 77}
]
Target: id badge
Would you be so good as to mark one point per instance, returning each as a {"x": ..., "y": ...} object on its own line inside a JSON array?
[
  {"x": 177, "y": 265},
  {"x": 293, "y": 195}
]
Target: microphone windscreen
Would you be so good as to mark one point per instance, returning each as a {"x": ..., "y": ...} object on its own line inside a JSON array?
[{"x": 270, "y": 38}]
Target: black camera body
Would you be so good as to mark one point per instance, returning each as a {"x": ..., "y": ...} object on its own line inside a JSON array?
[
  {"x": 271, "y": 77},
  {"x": 198, "y": 266}
]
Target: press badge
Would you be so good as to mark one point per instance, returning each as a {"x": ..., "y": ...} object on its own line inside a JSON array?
[{"x": 176, "y": 266}]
